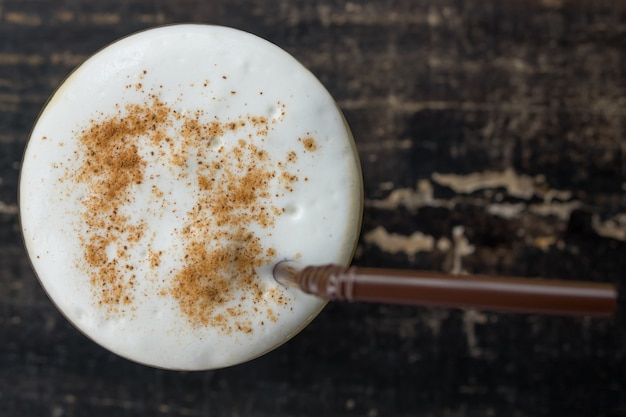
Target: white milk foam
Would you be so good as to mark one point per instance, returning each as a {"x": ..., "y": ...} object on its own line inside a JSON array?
[{"x": 165, "y": 178}]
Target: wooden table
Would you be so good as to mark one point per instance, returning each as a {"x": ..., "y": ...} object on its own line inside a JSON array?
[{"x": 491, "y": 136}]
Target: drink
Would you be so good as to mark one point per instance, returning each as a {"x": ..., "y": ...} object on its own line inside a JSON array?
[{"x": 165, "y": 178}]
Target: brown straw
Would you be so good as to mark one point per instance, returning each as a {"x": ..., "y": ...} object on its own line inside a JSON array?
[{"x": 423, "y": 288}]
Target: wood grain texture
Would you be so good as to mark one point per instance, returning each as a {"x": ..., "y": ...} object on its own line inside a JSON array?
[{"x": 492, "y": 139}]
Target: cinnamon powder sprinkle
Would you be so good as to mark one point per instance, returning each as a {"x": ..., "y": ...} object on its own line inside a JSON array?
[
  {"x": 309, "y": 144},
  {"x": 231, "y": 178}
]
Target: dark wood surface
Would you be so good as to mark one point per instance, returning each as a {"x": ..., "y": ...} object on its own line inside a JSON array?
[{"x": 492, "y": 139}]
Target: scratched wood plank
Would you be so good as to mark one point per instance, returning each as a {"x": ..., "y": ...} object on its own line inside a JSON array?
[{"x": 492, "y": 140}]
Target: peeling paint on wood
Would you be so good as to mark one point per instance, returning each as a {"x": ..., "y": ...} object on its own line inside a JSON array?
[{"x": 396, "y": 243}]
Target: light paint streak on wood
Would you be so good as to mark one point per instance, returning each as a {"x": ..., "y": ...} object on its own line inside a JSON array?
[
  {"x": 559, "y": 210},
  {"x": 8, "y": 208},
  {"x": 64, "y": 16},
  {"x": 17, "y": 59},
  {"x": 67, "y": 58},
  {"x": 520, "y": 186},
  {"x": 105, "y": 18},
  {"x": 25, "y": 19},
  {"x": 395, "y": 243},
  {"x": 385, "y": 145},
  {"x": 544, "y": 242},
  {"x": 501, "y": 107},
  {"x": 613, "y": 228},
  {"x": 422, "y": 196},
  {"x": 470, "y": 319},
  {"x": 506, "y": 210},
  {"x": 157, "y": 18}
]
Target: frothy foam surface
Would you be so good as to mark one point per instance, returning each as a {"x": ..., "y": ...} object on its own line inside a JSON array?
[{"x": 165, "y": 178}]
